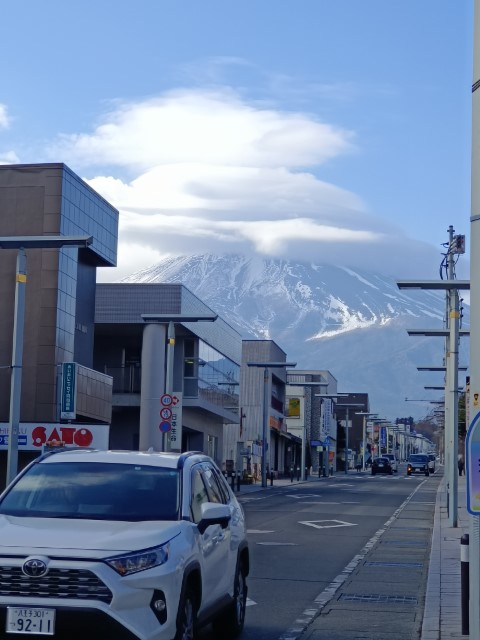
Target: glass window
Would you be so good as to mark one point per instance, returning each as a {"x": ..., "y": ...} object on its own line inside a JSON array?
[
  {"x": 94, "y": 490},
  {"x": 214, "y": 491},
  {"x": 199, "y": 495}
]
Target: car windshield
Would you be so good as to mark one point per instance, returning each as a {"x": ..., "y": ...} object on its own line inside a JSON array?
[
  {"x": 417, "y": 458},
  {"x": 95, "y": 490}
]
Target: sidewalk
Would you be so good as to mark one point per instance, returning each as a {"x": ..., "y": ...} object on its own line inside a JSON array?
[
  {"x": 432, "y": 578},
  {"x": 442, "y": 617}
]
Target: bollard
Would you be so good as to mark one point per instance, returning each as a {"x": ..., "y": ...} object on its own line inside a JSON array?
[
  {"x": 291, "y": 474},
  {"x": 324, "y": 472},
  {"x": 239, "y": 477},
  {"x": 271, "y": 478},
  {"x": 233, "y": 481},
  {"x": 298, "y": 474},
  {"x": 320, "y": 472},
  {"x": 465, "y": 582}
]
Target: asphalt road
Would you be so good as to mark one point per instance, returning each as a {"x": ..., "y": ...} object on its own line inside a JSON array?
[{"x": 302, "y": 537}]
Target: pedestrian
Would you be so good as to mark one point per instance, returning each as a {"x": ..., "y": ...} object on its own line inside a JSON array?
[{"x": 461, "y": 464}]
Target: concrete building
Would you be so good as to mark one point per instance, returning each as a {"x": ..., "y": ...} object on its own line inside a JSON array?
[
  {"x": 310, "y": 417},
  {"x": 247, "y": 450},
  {"x": 50, "y": 200}
]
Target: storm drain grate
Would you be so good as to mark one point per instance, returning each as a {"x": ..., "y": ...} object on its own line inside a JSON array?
[
  {"x": 410, "y": 543},
  {"x": 401, "y": 565},
  {"x": 377, "y": 598}
]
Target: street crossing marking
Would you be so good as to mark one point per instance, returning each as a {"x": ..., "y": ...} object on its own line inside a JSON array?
[
  {"x": 327, "y": 524},
  {"x": 304, "y": 495},
  {"x": 259, "y": 531}
]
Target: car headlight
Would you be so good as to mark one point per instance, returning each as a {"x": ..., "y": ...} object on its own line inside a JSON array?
[{"x": 139, "y": 560}]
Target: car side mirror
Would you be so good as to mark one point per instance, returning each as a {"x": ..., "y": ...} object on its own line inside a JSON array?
[{"x": 214, "y": 513}]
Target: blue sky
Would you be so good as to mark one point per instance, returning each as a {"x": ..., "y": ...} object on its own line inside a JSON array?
[{"x": 317, "y": 129}]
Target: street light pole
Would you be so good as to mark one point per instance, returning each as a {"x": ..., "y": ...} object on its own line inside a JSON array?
[{"x": 365, "y": 415}]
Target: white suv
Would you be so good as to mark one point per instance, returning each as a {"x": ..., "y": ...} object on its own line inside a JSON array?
[{"x": 123, "y": 545}]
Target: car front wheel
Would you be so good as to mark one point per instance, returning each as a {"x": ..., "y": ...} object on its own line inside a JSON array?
[
  {"x": 229, "y": 624},
  {"x": 187, "y": 616}
]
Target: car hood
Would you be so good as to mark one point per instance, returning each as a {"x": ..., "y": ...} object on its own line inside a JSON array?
[{"x": 98, "y": 537}]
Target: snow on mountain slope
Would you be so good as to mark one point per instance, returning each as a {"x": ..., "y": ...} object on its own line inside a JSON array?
[{"x": 324, "y": 317}]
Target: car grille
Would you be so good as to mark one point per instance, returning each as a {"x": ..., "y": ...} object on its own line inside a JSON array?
[{"x": 71, "y": 584}]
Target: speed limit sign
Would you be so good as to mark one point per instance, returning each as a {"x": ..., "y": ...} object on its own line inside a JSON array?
[{"x": 166, "y": 400}]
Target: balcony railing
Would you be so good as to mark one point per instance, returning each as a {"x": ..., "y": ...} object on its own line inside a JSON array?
[{"x": 125, "y": 379}]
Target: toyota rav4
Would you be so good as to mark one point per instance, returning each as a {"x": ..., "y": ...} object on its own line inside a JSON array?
[{"x": 121, "y": 544}]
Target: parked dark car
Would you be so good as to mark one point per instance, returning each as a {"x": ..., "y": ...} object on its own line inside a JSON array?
[
  {"x": 418, "y": 463},
  {"x": 381, "y": 465}
]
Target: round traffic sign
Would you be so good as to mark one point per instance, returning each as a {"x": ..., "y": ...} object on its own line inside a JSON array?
[
  {"x": 166, "y": 413},
  {"x": 165, "y": 426},
  {"x": 166, "y": 400}
]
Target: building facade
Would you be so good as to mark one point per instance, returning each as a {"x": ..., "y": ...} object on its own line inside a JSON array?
[
  {"x": 46, "y": 200},
  {"x": 158, "y": 340}
]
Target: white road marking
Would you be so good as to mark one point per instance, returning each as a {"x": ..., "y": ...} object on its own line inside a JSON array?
[
  {"x": 250, "y": 603},
  {"x": 326, "y": 524},
  {"x": 259, "y": 531}
]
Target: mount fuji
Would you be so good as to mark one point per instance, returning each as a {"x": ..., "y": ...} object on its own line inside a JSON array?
[{"x": 353, "y": 323}]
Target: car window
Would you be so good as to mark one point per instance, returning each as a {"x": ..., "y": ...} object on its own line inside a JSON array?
[
  {"x": 95, "y": 490},
  {"x": 199, "y": 495},
  {"x": 214, "y": 491}
]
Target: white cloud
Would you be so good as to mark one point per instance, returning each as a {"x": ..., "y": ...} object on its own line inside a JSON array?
[
  {"x": 213, "y": 173},
  {"x": 214, "y": 128},
  {"x": 4, "y": 117},
  {"x": 9, "y": 157}
]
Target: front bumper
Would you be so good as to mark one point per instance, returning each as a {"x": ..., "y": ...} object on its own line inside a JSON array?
[
  {"x": 105, "y": 606},
  {"x": 73, "y": 623}
]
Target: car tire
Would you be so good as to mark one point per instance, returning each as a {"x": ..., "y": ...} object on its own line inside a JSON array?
[
  {"x": 409, "y": 473},
  {"x": 229, "y": 624},
  {"x": 390, "y": 472},
  {"x": 427, "y": 473},
  {"x": 187, "y": 616},
  {"x": 373, "y": 473}
]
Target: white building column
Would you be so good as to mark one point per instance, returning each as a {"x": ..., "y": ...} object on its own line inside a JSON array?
[{"x": 153, "y": 385}]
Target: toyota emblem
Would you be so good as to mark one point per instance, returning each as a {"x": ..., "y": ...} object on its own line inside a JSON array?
[{"x": 34, "y": 568}]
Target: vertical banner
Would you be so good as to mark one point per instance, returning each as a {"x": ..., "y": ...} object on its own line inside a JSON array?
[
  {"x": 383, "y": 436},
  {"x": 175, "y": 434},
  {"x": 69, "y": 391}
]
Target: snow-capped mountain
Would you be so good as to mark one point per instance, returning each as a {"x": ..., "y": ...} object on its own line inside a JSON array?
[{"x": 352, "y": 323}]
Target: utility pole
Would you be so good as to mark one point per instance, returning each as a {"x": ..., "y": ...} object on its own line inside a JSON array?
[{"x": 451, "y": 387}]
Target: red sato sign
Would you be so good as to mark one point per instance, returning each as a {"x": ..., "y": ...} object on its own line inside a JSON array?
[{"x": 34, "y": 436}]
